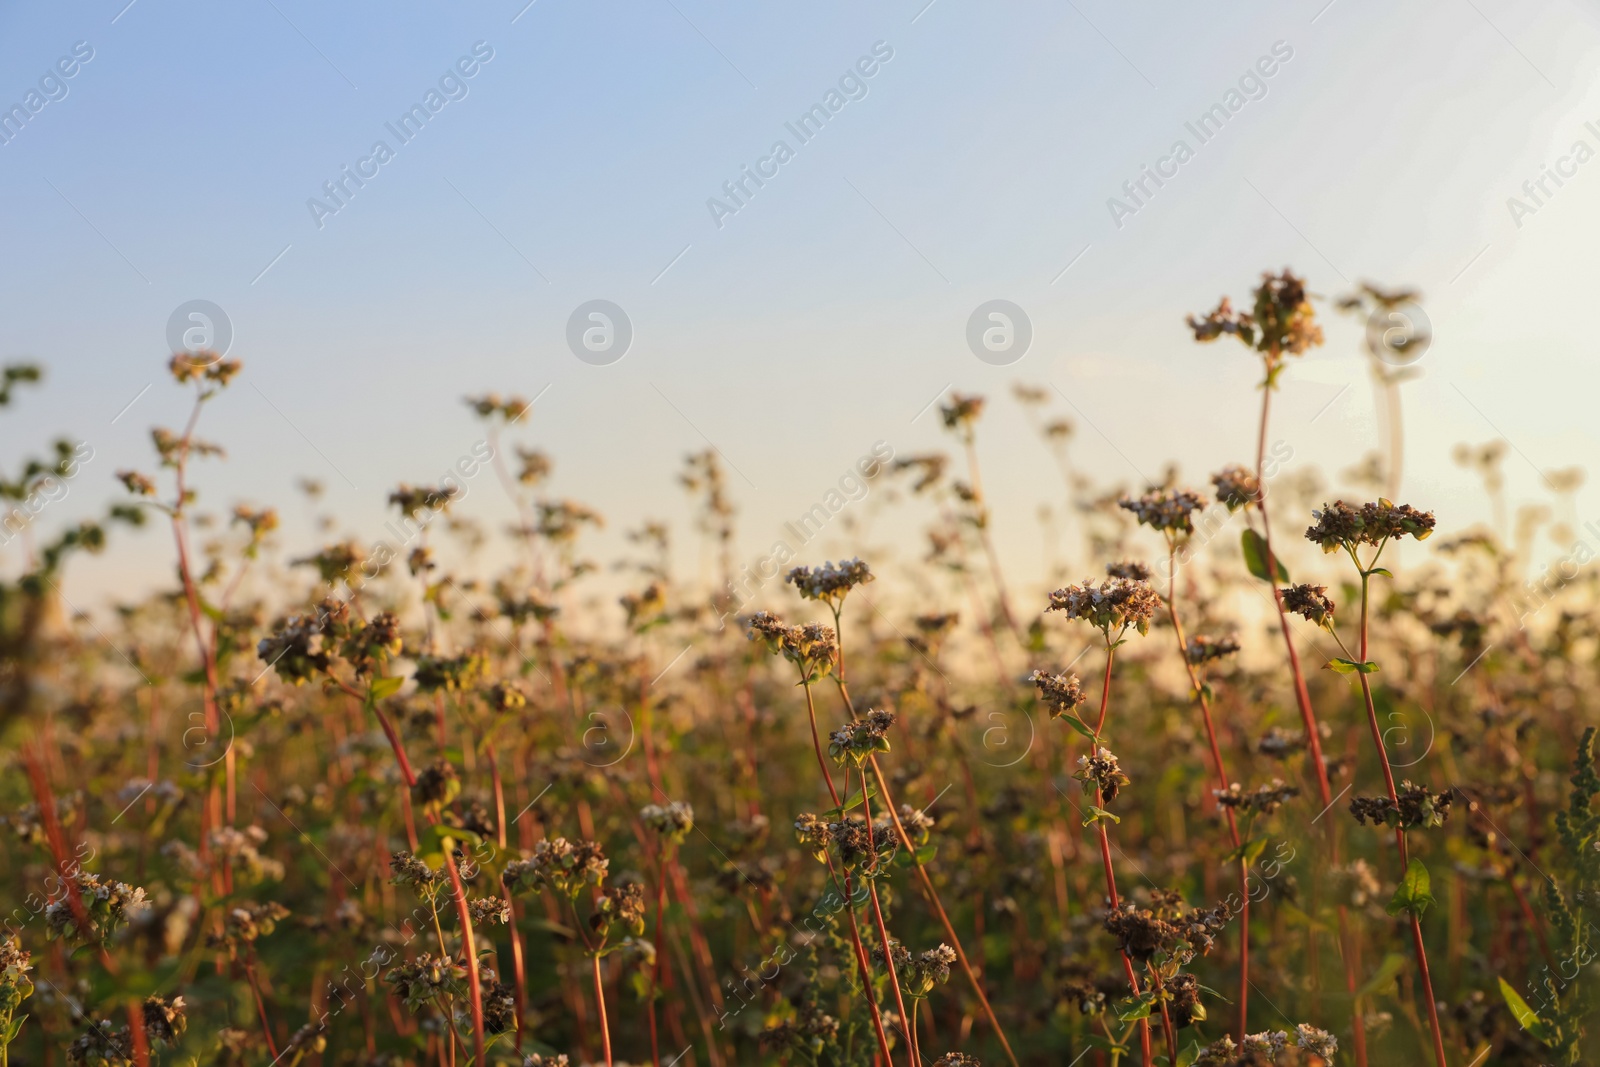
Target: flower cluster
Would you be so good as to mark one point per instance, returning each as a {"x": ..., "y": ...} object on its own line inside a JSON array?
[
  {"x": 489, "y": 911},
  {"x": 426, "y": 979},
  {"x": 1236, "y": 487},
  {"x": 15, "y": 985},
  {"x": 107, "y": 905},
  {"x": 619, "y": 904},
  {"x": 1169, "y": 928},
  {"x": 1263, "y": 800},
  {"x": 672, "y": 821},
  {"x": 829, "y": 583},
  {"x": 406, "y": 869},
  {"x": 1167, "y": 510},
  {"x": 1130, "y": 569},
  {"x": 559, "y": 865},
  {"x": 1101, "y": 772},
  {"x": 811, "y": 647},
  {"x": 1339, "y": 525},
  {"x": 859, "y": 845},
  {"x": 1061, "y": 693},
  {"x": 1416, "y": 807},
  {"x": 1115, "y": 604},
  {"x": 374, "y": 644},
  {"x": 1202, "y": 649},
  {"x": 1310, "y": 602},
  {"x": 861, "y": 739},
  {"x": 1282, "y": 320}
]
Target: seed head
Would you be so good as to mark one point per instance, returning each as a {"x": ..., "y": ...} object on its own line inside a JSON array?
[
  {"x": 1236, "y": 487},
  {"x": 1061, "y": 693},
  {"x": 860, "y": 739},
  {"x": 1131, "y": 569},
  {"x": 829, "y": 583},
  {"x": 672, "y": 821},
  {"x": 1167, "y": 510},
  {"x": 1202, "y": 649},
  {"x": 1310, "y": 602},
  {"x": 1339, "y": 525},
  {"x": 1115, "y": 604},
  {"x": 1101, "y": 771}
]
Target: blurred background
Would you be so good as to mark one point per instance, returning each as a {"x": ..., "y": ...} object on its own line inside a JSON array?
[{"x": 791, "y": 325}]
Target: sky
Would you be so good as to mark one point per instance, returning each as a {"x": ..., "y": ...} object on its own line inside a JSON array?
[{"x": 794, "y": 324}]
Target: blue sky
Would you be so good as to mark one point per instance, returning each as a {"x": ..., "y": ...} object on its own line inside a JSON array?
[{"x": 831, "y": 308}]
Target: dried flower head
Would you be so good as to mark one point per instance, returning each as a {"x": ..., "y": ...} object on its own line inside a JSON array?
[
  {"x": 1168, "y": 510},
  {"x": 1101, "y": 772},
  {"x": 829, "y": 583},
  {"x": 1317, "y": 1042},
  {"x": 619, "y": 905},
  {"x": 1310, "y": 602},
  {"x": 559, "y": 865},
  {"x": 107, "y": 905},
  {"x": 1130, "y": 569},
  {"x": 428, "y": 979},
  {"x": 1339, "y": 525},
  {"x": 1115, "y": 604},
  {"x": 165, "y": 1020},
  {"x": 957, "y": 1059},
  {"x": 1416, "y": 806},
  {"x": 672, "y": 821},
  {"x": 1061, "y": 693},
  {"x": 962, "y": 412},
  {"x": 1202, "y": 649},
  {"x": 810, "y": 648},
  {"x": 1263, "y": 800},
  {"x": 1236, "y": 487},
  {"x": 860, "y": 739},
  {"x": 489, "y": 911}
]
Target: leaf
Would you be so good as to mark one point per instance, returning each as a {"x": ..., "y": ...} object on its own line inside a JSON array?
[
  {"x": 1082, "y": 727},
  {"x": 1098, "y": 814},
  {"x": 1135, "y": 1008},
  {"x": 918, "y": 858},
  {"x": 1391, "y": 966},
  {"x": 1526, "y": 1016},
  {"x": 382, "y": 688},
  {"x": 436, "y": 835},
  {"x": 1413, "y": 894},
  {"x": 1255, "y": 557},
  {"x": 1381, "y": 570},
  {"x": 1368, "y": 667},
  {"x": 1248, "y": 852},
  {"x": 834, "y": 814},
  {"x": 1350, "y": 666}
]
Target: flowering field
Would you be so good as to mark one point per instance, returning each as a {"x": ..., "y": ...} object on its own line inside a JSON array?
[{"x": 343, "y": 804}]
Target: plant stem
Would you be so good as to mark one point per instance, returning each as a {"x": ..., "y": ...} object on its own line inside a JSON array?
[
  {"x": 1400, "y": 832},
  {"x": 1223, "y": 782}
]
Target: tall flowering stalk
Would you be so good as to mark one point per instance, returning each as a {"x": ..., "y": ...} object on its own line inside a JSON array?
[
  {"x": 1170, "y": 512},
  {"x": 830, "y": 584},
  {"x": 811, "y": 649},
  {"x": 1340, "y": 527},
  {"x": 1281, "y": 323},
  {"x": 1116, "y": 605}
]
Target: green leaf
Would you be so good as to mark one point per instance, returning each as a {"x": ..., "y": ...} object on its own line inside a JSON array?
[
  {"x": 1135, "y": 1008},
  {"x": 1412, "y": 896},
  {"x": 1350, "y": 666},
  {"x": 382, "y": 688},
  {"x": 437, "y": 834},
  {"x": 1098, "y": 814},
  {"x": 1255, "y": 557},
  {"x": 1368, "y": 667},
  {"x": 1526, "y": 1016},
  {"x": 1381, "y": 570},
  {"x": 918, "y": 858},
  {"x": 1248, "y": 852},
  {"x": 834, "y": 814},
  {"x": 1082, "y": 727},
  {"x": 1391, "y": 967}
]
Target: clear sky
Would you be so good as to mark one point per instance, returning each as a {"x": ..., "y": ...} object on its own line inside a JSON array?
[{"x": 976, "y": 162}]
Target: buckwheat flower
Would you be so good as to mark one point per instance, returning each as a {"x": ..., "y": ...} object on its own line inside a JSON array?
[
  {"x": 296, "y": 651},
  {"x": 1140, "y": 933},
  {"x": 452, "y": 674},
  {"x": 437, "y": 785},
  {"x": 1339, "y": 525},
  {"x": 1310, "y": 602},
  {"x": 1236, "y": 487},
  {"x": 489, "y": 911},
  {"x": 1131, "y": 569},
  {"x": 1417, "y": 806},
  {"x": 672, "y": 821},
  {"x": 619, "y": 904},
  {"x": 917, "y": 824},
  {"x": 499, "y": 1005},
  {"x": 957, "y": 1059},
  {"x": 1101, "y": 771},
  {"x": 136, "y": 483},
  {"x": 811, "y": 832},
  {"x": 412, "y": 500},
  {"x": 426, "y": 979},
  {"x": 1202, "y": 649},
  {"x": 107, "y": 906},
  {"x": 928, "y": 969},
  {"x": 559, "y": 865},
  {"x": 374, "y": 644},
  {"x": 1061, "y": 693},
  {"x": 506, "y": 697},
  {"x": 536, "y": 1060},
  {"x": 1167, "y": 510},
  {"x": 1263, "y": 800},
  {"x": 1317, "y": 1042},
  {"x": 1184, "y": 989},
  {"x": 165, "y": 1019},
  {"x": 829, "y": 583},
  {"x": 1116, "y": 603},
  {"x": 15, "y": 985},
  {"x": 962, "y": 411},
  {"x": 863, "y": 738},
  {"x": 1270, "y": 1042},
  {"x": 810, "y": 647}
]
